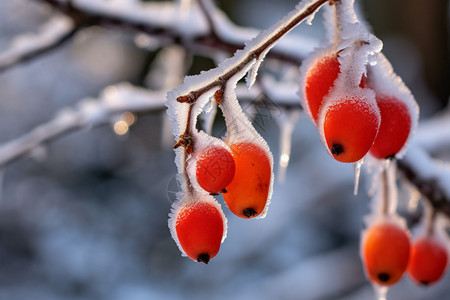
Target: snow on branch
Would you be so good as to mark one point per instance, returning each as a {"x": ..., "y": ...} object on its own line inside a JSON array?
[
  {"x": 89, "y": 113},
  {"x": 202, "y": 28},
  {"x": 430, "y": 176},
  {"x": 30, "y": 45}
]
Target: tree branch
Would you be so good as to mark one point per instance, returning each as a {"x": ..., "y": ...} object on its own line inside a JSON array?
[
  {"x": 430, "y": 176},
  {"x": 152, "y": 18},
  {"x": 89, "y": 113},
  {"x": 28, "y": 46}
]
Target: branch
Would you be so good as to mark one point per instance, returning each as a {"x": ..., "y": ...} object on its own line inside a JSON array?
[
  {"x": 89, "y": 113},
  {"x": 430, "y": 176},
  {"x": 28, "y": 46},
  {"x": 260, "y": 45},
  {"x": 162, "y": 19}
]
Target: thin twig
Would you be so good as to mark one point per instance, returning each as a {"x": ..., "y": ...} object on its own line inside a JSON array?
[
  {"x": 89, "y": 113},
  {"x": 37, "y": 44},
  {"x": 430, "y": 188},
  {"x": 202, "y": 41},
  {"x": 252, "y": 54}
]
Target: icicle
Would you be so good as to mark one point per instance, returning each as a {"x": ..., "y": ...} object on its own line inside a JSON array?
[
  {"x": 208, "y": 117},
  {"x": 356, "y": 173},
  {"x": 286, "y": 122},
  {"x": 380, "y": 292}
]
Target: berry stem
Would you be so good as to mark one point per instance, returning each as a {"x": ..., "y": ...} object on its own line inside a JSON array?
[
  {"x": 430, "y": 219},
  {"x": 385, "y": 191}
]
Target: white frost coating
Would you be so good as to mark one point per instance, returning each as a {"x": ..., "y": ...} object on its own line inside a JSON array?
[
  {"x": 183, "y": 200},
  {"x": 286, "y": 121},
  {"x": 385, "y": 82},
  {"x": 354, "y": 53},
  {"x": 329, "y": 23},
  {"x": 48, "y": 34}
]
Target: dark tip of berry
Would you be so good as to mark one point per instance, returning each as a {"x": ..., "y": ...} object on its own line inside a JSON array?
[
  {"x": 384, "y": 277},
  {"x": 425, "y": 283},
  {"x": 249, "y": 212},
  {"x": 224, "y": 191},
  {"x": 337, "y": 149},
  {"x": 204, "y": 258},
  {"x": 213, "y": 194},
  {"x": 390, "y": 157}
]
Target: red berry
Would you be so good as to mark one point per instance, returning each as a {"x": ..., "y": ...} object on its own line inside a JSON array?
[
  {"x": 385, "y": 253},
  {"x": 320, "y": 79},
  {"x": 200, "y": 228},
  {"x": 215, "y": 169},
  {"x": 350, "y": 128},
  {"x": 395, "y": 127},
  {"x": 428, "y": 261},
  {"x": 248, "y": 192}
]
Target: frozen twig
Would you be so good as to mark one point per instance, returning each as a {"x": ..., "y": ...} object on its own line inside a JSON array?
[
  {"x": 30, "y": 45},
  {"x": 158, "y": 19},
  {"x": 430, "y": 176},
  {"x": 89, "y": 113}
]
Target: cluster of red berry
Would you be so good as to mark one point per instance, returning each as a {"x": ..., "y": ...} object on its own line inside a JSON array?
[
  {"x": 387, "y": 253},
  {"x": 243, "y": 175},
  {"x": 351, "y": 124}
]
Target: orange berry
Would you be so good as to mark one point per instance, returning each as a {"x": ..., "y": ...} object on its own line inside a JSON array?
[
  {"x": 320, "y": 79},
  {"x": 385, "y": 253},
  {"x": 215, "y": 169},
  {"x": 200, "y": 228},
  {"x": 394, "y": 130},
  {"x": 428, "y": 261},
  {"x": 349, "y": 128},
  {"x": 248, "y": 192}
]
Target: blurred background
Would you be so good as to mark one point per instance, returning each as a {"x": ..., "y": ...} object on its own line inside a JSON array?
[{"x": 86, "y": 216}]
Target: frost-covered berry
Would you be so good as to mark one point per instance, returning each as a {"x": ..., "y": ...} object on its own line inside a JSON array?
[
  {"x": 199, "y": 228},
  {"x": 319, "y": 80},
  {"x": 215, "y": 169},
  {"x": 248, "y": 193},
  {"x": 385, "y": 252},
  {"x": 428, "y": 260},
  {"x": 395, "y": 127},
  {"x": 350, "y": 127}
]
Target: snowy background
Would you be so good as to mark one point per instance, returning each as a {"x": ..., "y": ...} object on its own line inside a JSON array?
[{"x": 86, "y": 216}]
